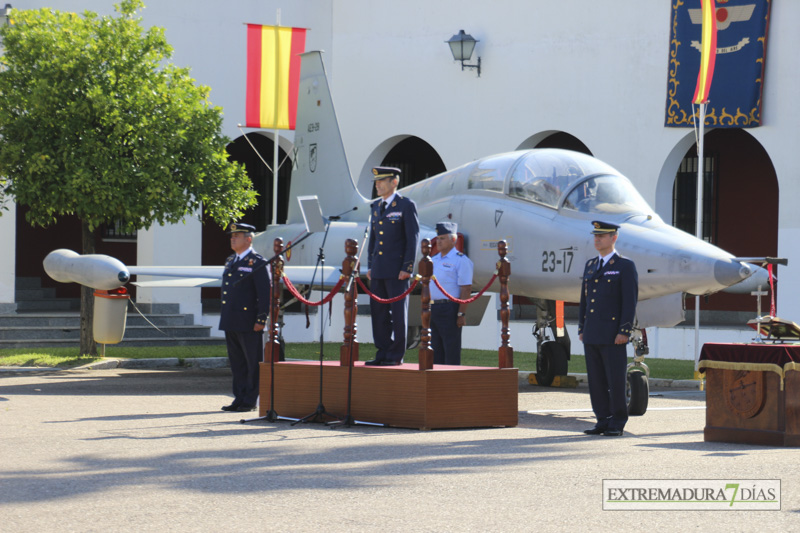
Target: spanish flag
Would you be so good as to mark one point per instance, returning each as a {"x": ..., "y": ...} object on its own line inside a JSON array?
[
  {"x": 708, "y": 51},
  {"x": 273, "y": 75}
]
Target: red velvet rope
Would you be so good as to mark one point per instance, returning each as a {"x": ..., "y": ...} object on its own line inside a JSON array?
[
  {"x": 390, "y": 300},
  {"x": 299, "y": 296},
  {"x": 468, "y": 301}
]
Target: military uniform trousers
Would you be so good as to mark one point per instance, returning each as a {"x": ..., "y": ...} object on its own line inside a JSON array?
[
  {"x": 389, "y": 320},
  {"x": 606, "y": 366},
  {"x": 245, "y": 352},
  {"x": 445, "y": 333}
]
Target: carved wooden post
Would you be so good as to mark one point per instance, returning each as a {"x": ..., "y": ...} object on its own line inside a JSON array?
[
  {"x": 506, "y": 352},
  {"x": 425, "y": 269},
  {"x": 350, "y": 346},
  {"x": 272, "y": 349}
]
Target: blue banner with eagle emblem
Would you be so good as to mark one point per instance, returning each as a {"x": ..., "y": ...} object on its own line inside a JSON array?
[{"x": 734, "y": 100}]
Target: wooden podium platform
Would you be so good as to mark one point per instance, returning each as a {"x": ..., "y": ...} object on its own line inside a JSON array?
[
  {"x": 752, "y": 393},
  {"x": 400, "y": 396}
]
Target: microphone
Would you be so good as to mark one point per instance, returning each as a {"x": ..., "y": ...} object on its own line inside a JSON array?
[{"x": 339, "y": 216}]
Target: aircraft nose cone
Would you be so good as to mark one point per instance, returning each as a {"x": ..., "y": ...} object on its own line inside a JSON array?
[
  {"x": 760, "y": 278},
  {"x": 728, "y": 272}
]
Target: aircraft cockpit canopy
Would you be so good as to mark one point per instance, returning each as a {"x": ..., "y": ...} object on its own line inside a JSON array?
[
  {"x": 612, "y": 194},
  {"x": 544, "y": 176}
]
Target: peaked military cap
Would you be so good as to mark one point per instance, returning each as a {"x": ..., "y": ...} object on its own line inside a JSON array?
[
  {"x": 601, "y": 228},
  {"x": 446, "y": 228},
  {"x": 378, "y": 173},
  {"x": 241, "y": 228}
]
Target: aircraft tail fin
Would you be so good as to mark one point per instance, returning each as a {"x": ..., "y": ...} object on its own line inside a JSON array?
[{"x": 320, "y": 161}]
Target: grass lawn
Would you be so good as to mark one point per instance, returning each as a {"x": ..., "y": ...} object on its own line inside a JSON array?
[{"x": 68, "y": 357}]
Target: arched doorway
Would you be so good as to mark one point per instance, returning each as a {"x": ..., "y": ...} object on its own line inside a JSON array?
[
  {"x": 416, "y": 160},
  {"x": 215, "y": 242},
  {"x": 740, "y": 207},
  {"x": 555, "y": 139}
]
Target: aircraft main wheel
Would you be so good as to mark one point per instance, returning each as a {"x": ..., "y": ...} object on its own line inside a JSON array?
[
  {"x": 637, "y": 393},
  {"x": 551, "y": 361}
]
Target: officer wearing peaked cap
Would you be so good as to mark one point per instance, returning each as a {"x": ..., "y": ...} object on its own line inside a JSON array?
[
  {"x": 605, "y": 322},
  {"x": 393, "y": 236},
  {"x": 453, "y": 271},
  {"x": 243, "y": 315}
]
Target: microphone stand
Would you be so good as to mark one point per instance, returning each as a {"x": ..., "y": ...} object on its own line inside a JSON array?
[
  {"x": 348, "y": 419},
  {"x": 320, "y": 410}
]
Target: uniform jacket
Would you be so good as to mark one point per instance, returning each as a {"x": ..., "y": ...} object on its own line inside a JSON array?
[
  {"x": 247, "y": 302},
  {"x": 608, "y": 300},
  {"x": 393, "y": 238}
]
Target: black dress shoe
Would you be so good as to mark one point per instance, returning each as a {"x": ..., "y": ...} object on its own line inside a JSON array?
[
  {"x": 244, "y": 408},
  {"x": 374, "y": 362},
  {"x": 613, "y": 433},
  {"x": 594, "y": 431},
  {"x": 390, "y": 363},
  {"x": 231, "y": 407}
]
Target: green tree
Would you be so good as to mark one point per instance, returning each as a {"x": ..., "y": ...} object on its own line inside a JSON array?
[{"x": 95, "y": 122}]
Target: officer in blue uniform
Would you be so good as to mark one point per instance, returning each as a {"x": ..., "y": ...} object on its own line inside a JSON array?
[
  {"x": 608, "y": 306},
  {"x": 393, "y": 236},
  {"x": 245, "y": 305},
  {"x": 453, "y": 271}
]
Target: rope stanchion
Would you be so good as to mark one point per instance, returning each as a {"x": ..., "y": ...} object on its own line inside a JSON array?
[
  {"x": 388, "y": 300},
  {"x": 272, "y": 349},
  {"x": 348, "y": 351},
  {"x": 425, "y": 269},
  {"x": 328, "y": 298},
  {"x": 505, "y": 353},
  {"x": 468, "y": 300}
]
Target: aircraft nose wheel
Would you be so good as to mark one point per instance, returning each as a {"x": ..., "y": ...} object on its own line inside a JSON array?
[
  {"x": 637, "y": 389},
  {"x": 413, "y": 337},
  {"x": 551, "y": 361}
]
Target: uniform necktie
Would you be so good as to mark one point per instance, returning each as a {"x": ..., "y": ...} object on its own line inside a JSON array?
[{"x": 383, "y": 207}]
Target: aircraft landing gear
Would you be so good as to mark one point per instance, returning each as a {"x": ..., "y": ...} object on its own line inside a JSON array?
[
  {"x": 413, "y": 337},
  {"x": 637, "y": 388},
  {"x": 552, "y": 356},
  {"x": 551, "y": 361}
]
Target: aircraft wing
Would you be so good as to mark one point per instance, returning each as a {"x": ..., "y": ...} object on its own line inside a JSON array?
[
  {"x": 178, "y": 271},
  {"x": 179, "y": 282},
  {"x": 188, "y": 277}
]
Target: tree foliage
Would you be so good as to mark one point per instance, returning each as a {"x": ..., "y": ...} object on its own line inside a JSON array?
[{"x": 95, "y": 122}]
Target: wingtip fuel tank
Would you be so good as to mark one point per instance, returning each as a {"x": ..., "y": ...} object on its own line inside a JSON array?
[{"x": 95, "y": 270}]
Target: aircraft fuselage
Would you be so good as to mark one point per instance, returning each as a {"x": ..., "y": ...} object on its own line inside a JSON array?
[{"x": 530, "y": 200}]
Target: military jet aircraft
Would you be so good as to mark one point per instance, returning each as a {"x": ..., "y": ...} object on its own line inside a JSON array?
[{"x": 540, "y": 201}]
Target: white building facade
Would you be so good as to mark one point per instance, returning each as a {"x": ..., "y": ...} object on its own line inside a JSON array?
[{"x": 596, "y": 71}]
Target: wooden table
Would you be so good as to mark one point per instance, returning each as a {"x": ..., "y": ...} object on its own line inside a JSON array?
[{"x": 752, "y": 393}]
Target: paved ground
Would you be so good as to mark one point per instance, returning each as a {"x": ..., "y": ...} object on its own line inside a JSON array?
[{"x": 149, "y": 450}]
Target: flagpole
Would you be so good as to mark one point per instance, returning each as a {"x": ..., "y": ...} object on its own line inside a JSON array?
[
  {"x": 708, "y": 54},
  {"x": 699, "y": 226},
  {"x": 275, "y": 153}
]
